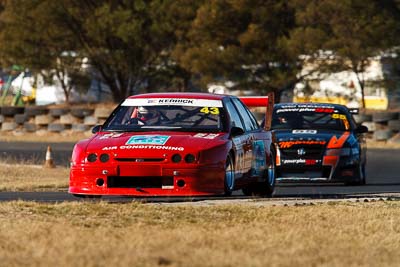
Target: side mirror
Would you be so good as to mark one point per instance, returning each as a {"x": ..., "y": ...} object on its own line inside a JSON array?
[
  {"x": 361, "y": 129},
  {"x": 96, "y": 129},
  {"x": 235, "y": 131}
]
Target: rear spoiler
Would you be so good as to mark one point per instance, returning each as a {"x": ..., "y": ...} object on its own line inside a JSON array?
[{"x": 261, "y": 101}]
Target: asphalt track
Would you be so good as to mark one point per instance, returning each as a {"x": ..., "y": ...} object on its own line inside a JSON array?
[{"x": 383, "y": 179}]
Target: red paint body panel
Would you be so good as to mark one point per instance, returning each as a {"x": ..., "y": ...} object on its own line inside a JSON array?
[
  {"x": 255, "y": 101},
  {"x": 197, "y": 181}
]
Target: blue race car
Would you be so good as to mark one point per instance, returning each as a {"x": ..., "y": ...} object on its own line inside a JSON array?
[{"x": 317, "y": 142}]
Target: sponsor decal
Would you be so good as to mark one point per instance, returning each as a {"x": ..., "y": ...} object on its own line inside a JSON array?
[
  {"x": 293, "y": 161},
  {"x": 311, "y": 105},
  {"x": 148, "y": 140},
  {"x": 208, "y": 110},
  {"x": 304, "y": 131},
  {"x": 258, "y": 162},
  {"x": 338, "y": 143},
  {"x": 206, "y": 135},
  {"x": 343, "y": 118},
  {"x": 172, "y": 102},
  {"x": 302, "y": 161},
  {"x": 301, "y": 151},
  {"x": 124, "y": 147},
  {"x": 339, "y": 116},
  {"x": 324, "y": 110},
  {"x": 107, "y": 148},
  {"x": 111, "y": 135},
  {"x": 169, "y": 101},
  {"x": 307, "y": 108},
  {"x": 312, "y": 161},
  {"x": 173, "y": 148},
  {"x": 288, "y": 144}
]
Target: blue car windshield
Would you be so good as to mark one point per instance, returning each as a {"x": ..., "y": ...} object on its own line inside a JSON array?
[
  {"x": 165, "y": 117},
  {"x": 310, "y": 120}
]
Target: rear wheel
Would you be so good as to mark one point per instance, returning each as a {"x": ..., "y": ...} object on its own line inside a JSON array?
[
  {"x": 229, "y": 181},
  {"x": 265, "y": 188}
]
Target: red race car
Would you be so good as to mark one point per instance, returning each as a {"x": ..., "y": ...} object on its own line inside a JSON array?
[{"x": 176, "y": 144}]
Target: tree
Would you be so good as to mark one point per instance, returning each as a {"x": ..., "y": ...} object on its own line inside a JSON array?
[
  {"x": 241, "y": 41},
  {"x": 354, "y": 31},
  {"x": 126, "y": 41},
  {"x": 32, "y": 37}
]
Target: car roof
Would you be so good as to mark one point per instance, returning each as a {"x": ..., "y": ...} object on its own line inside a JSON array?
[
  {"x": 182, "y": 95},
  {"x": 311, "y": 105}
]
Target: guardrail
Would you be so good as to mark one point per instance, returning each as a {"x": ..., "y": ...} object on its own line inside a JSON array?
[
  {"x": 382, "y": 126},
  {"x": 52, "y": 119}
]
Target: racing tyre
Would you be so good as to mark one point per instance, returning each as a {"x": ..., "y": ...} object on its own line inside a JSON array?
[
  {"x": 394, "y": 125},
  {"x": 362, "y": 117},
  {"x": 363, "y": 176},
  {"x": 80, "y": 127},
  {"x": 55, "y": 127},
  {"x": 31, "y": 111},
  {"x": 383, "y": 135},
  {"x": 20, "y": 118},
  {"x": 229, "y": 181},
  {"x": 30, "y": 127},
  {"x": 384, "y": 116},
  {"x": 362, "y": 179},
  {"x": 57, "y": 112},
  {"x": 271, "y": 179},
  {"x": 102, "y": 113},
  {"x": 266, "y": 188},
  {"x": 81, "y": 112},
  {"x": 11, "y": 110},
  {"x": 8, "y": 126}
]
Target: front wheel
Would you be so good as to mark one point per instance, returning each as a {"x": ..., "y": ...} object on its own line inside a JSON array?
[{"x": 362, "y": 177}]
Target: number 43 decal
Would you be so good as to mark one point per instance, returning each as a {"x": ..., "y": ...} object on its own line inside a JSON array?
[{"x": 207, "y": 110}]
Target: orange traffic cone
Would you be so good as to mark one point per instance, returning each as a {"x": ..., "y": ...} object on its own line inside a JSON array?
[{"x": 49, "y": 159}]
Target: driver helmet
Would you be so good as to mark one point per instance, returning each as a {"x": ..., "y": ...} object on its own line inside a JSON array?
[{"x": 148, "y": 115}]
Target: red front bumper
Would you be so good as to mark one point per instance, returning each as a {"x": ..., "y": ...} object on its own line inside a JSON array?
[{"x": 147, "y": 180}]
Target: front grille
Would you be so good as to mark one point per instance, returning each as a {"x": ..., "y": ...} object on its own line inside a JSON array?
[
  {"x": 139, "y": 159},
  {"x": 139, "y": 181},
  {"x": 310, "y": 153}
]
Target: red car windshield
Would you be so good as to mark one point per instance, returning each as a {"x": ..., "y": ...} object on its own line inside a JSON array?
[{"x": 166, "y": 117}]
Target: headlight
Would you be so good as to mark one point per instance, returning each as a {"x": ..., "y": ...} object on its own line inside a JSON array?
[
  {"x": 78, "y": 155},
  {"x": 92, "y": 157},
  {"x": 104, "y": 158},
  {"x": 190, "y": 158},
  {"x": 176, "y": 158}
]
